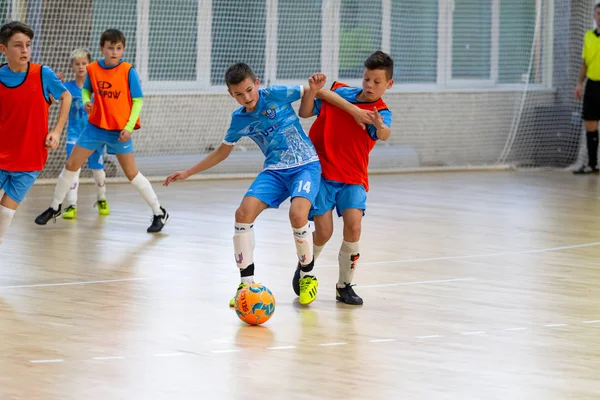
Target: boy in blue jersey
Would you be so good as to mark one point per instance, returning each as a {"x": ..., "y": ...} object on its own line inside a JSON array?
[
  {"x": 78, "y": 119},
  {"x": 291, "y": 168},
  {"x": 26, "y": 92}
]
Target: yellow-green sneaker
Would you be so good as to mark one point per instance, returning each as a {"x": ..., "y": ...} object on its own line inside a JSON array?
[
  {"x": 308, "y": 289},
  {"x": 240, "y": 287},
  {"x": 70, "y": 212},
  {"x": 103, "y": 207}
]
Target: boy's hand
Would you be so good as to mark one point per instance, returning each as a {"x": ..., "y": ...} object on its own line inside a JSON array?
[
  {"x": 316, "y": 82},
  {"x": 88, "y": 107},
  {"x": 177, "y": 176},
  {"x": 376, "y": 119},
  {"x": 61, "y": 76},
  {"x": 52, "y": 140},
  {"x": 362, "y": 117},
  {"x": 124, "y": 136},
  {"x": 578, "y": 91}
]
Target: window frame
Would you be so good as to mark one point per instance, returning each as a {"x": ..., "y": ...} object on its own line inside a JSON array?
[{"x": 330, "y": 45}]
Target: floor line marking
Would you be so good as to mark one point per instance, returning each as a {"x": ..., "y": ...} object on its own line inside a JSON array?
[
  {"x": 485, "y": 255},
  {"x": 281, "y": 348},
  {"x": 73, "y": 283},
  {"x": 418, "y": 283},
  {"x": 57, "y": 360}
]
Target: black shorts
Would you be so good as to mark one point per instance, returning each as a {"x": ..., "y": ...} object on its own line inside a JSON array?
[{"x": 591, "y": 101}]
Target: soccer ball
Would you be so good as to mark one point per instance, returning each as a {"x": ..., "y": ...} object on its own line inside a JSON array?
[{"x": 254, "y": 304}]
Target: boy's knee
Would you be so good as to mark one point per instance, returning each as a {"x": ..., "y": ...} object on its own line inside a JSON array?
[
  {"x": 352, "y": 232},
  {"x": 298, "y": 219},
  {"x": 243, "y": 216}
]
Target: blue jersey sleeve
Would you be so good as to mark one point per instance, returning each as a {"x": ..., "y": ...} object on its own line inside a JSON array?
[
  {"x": 52, "y": 85},
  {"x": 87, "y": 85},
  {"x": 387, "y": 119},
  {"x": 233, "y": 133},
  {"x": 317, "y": 107},
  {"x": 135, "y": 86},
  {"x": 284, "y": 94}
]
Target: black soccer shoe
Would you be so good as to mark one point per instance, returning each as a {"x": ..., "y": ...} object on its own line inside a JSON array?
[
  {"x": 47, "y": 215},
  {"x": 158, "y": 221},
  {"x": 347, "y": 295},
  {"x": 296, "y": 280}
]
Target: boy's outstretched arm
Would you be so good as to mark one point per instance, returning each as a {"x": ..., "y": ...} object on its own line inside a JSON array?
[
  {"x": 214, "y": 158},
  {"x": 362, "y": 117},
  {"x": 315, "y": 83}
]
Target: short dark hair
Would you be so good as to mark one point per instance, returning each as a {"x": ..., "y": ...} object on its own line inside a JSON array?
[
  {"x": 596, "y": 7},
  {"x": 380, "y": 60},
  {"x": 9, "y": 30},
  {"x": 237, "y": 73},
  {"x": 113, "y": 36}
]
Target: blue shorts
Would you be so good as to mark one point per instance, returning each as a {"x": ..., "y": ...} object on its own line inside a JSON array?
[
  {"x": 274, "y": 186},
  {"x": 96, "y": 160},
  {"x": 94, "y": 138},
  {"x": 17, "y": 184},
  {"x": 340, "y": 196}
]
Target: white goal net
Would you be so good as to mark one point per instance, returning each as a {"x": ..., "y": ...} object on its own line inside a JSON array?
[{"x": 477, "y": 82}]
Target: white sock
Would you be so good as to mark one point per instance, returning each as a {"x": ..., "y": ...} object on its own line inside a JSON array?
[
  {"x": 348, "y": 260},
  {"x": 6, "y": 216},
  {"x": 71, "y": 198},
  {"x": 100, "y": 179},
  {"x": 65, "y": 180},
  {"x": 243, "y": 245},
  {"x": 317, "y": 251},
  {"x": 304, "y": 249},
  {"x": 144, "y": 186}
]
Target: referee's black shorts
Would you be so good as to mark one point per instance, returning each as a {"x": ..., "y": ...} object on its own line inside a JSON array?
[{"x": 591, "y": 101}]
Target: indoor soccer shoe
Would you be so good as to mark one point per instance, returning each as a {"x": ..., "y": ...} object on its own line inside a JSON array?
[
  {"x": 70, "y": 213},
  {"x": 585, "y": 170},
  {"x": 240, "y": 287},
  {"x": 347, "y": 295},
  {"x": 308, "y": 289},
  {"x": 296, "y": 281},
  {"x": 103, "y": 207},
  {"x": 158, "y": 221},
  {"x": 47, "y": 215}
]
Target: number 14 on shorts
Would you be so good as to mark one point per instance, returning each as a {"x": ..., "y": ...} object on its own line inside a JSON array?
[{"x": 303, "y": 186}]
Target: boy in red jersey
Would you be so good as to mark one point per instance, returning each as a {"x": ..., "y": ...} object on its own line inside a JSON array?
[
  {"x": 343, "y": 149},
  {"x": 113, "y": 116},
  {"x": 26, "y": 93}
]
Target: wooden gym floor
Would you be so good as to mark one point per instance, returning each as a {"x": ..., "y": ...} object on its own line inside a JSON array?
[{"x": 476, "y": 286}]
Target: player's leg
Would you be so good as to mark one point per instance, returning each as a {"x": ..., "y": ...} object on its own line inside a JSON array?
[
  {"x": 71, "y": 197},
  {"x": 65, "y": 180},
  {"x": 321, "y": 215},
  {"x": 15, "y": 186},
  {"x": 303, "y": 188},
  {"x": 591, "y": 115},
  {"x": 96, "y": 164},
  {"x": 264, "y": 192},
  {"x": 351, "y": 203},
  {"x": 124, "y": 152}
]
